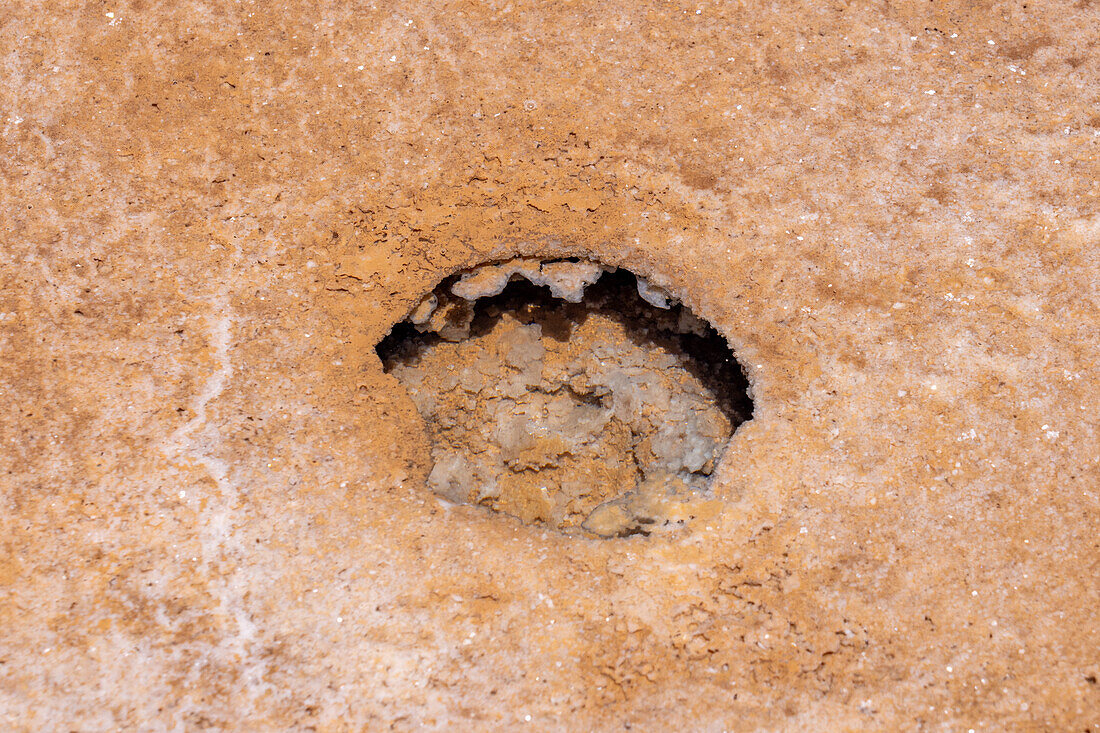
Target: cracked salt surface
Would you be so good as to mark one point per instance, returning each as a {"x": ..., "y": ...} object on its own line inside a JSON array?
[{"x": 566, "y": 394}]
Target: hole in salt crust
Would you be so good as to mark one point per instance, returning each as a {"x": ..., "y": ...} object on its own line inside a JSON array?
[{"x": 569, "y": 394}]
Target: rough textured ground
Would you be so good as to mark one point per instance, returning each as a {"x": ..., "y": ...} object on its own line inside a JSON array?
[{"x": 214, "y": 508}]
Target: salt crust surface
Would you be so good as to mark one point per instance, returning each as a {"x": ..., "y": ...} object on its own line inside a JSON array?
[{"x": 215, "y": 503}]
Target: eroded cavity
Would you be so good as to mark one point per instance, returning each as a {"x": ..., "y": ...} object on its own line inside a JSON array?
[{"x": 570, "y": 394}]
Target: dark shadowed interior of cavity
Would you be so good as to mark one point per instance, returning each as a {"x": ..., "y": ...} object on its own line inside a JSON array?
[{"x": 707, "y": 356}]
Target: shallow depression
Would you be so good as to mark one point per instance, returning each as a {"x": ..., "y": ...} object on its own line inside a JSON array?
[{"x": 569, "y": 394}]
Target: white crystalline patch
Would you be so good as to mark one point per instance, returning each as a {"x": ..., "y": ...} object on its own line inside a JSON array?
[
  {"x": 524, "y": 348},
  {"x": 449, "y": 477},
  {"x": 489, "y": 280},
  {"x": 566, "y": 280},
  {"x": 655, "y": 296}
]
